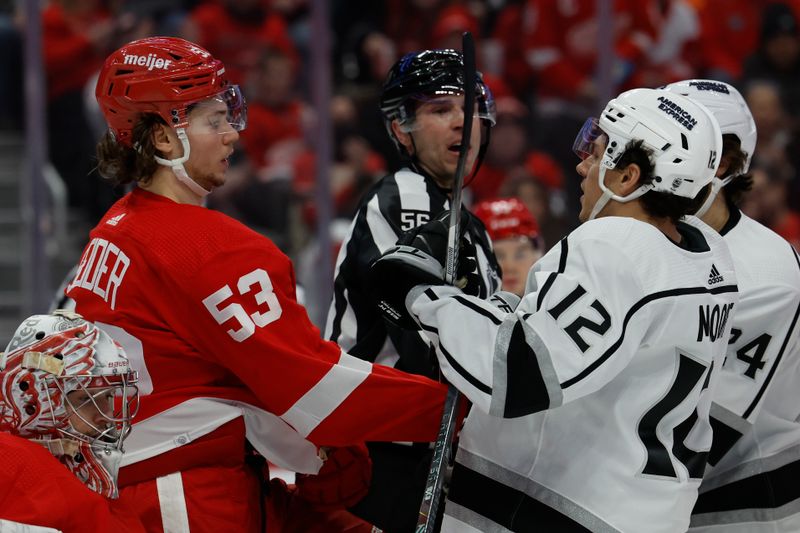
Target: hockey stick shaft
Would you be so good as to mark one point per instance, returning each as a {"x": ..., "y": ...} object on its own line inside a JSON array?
[
  {"x": 451, "y": 265},
  {"x": 442, "y": 449}
]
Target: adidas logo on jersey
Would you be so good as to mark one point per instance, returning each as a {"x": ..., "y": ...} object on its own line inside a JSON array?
[
  {"x": 113, "y": 221},
  {"x": 714, "y": 277}
]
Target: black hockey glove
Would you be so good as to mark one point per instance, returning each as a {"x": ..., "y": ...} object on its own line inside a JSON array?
[{"x": 418, "y": 259}]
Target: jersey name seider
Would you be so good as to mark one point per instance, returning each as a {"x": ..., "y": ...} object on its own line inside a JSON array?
[{"x": 101, "y": 270}]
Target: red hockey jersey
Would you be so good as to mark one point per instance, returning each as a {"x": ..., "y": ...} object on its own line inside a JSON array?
[
  {"x": 206, "y": 310},
  {"x": 37, "y": 490}
]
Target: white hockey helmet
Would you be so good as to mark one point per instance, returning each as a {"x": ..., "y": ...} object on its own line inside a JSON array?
[
  {"x": 49, "y": 358},
  {"x": 734, "y": 117},
  {"x": 683, "y": 136}
]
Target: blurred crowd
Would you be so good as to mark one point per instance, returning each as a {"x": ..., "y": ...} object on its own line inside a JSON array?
[{"x": 539, "y": 58}]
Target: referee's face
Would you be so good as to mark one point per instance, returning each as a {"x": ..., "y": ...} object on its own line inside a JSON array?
[{"x": 436, "y": 137}]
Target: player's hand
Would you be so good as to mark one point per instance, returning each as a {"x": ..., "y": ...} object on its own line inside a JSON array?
[
  {"x": 342, "y": 481},
  {"x": 418, "y": 259},
  {"x": 431, "y": 238}
]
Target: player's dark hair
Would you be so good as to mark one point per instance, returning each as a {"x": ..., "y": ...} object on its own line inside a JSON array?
[
  {"x": 121, "y": 164},
  {"x": 736, "y": 158},
  {"x": 656, "y": 204}
]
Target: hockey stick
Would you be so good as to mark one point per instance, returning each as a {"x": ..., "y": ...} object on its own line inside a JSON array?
[{"x": 442, "y": 449}]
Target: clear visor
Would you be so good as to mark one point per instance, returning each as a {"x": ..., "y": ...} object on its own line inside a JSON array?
[
  {"x": 100, "y": 409},
  {"x": 589, "y": 138},
  {"x": 448, "y": 106},
  {"x": 226, "y": 108}
]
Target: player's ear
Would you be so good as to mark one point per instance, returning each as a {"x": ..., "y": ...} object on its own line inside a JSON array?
[
  {"x": 164, "y": 139},
  {"x": 724, "y": 165},
  {"x": 630, "y": 179},
  {"x": 402, "y": 137}
]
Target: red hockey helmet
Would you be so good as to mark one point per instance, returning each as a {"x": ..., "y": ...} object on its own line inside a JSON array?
[
  {"x": 161, "y": 75},
  {"x": 507, "y": 217}
]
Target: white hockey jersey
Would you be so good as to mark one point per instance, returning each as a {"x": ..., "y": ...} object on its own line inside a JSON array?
[
  {"x": 591, "y": 400},
  {"x": 752, "y": 484}
]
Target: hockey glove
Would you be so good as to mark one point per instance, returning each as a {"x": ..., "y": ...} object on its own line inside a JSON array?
[
  {"x": 418, "y": 259},
  {"x": 342, "y": 481}
]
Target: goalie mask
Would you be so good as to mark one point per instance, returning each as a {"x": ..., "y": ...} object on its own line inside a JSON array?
[
  {"x": 66, "y": 385},
  {"x": 734, "y": 118},
  {"x": 422, "y": 76},
  {"x": 165, "y": 76},
  {"x": 682, "y": 135}
]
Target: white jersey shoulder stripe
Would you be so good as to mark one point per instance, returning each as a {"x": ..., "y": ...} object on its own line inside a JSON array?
[
  {"x": 412, "y": 191},
  {"x": 329, "y": 392},
  {"x": 383, "y": 235}
]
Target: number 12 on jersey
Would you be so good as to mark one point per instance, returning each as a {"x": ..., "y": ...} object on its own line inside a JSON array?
[{"x": 215, "y": 303}]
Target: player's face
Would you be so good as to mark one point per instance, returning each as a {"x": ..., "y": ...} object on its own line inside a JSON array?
[
  {"x": 211, "y": 138},
  {"x": 589, "y": 170},
  {"x": 437, "y": 136},
  {"x": 90, "y": 410},
  {"x": 516, "y": 256}
]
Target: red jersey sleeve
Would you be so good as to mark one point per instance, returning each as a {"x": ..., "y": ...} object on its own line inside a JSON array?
[{"x": 243, "y": 313}]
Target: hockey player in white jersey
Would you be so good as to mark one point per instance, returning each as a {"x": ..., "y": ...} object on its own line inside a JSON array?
[
  {"x": 591, "y": 400},
  {"x": 751, "y": 484}
]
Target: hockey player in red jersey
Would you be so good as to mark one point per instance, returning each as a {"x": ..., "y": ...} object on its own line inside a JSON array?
[
  {"x": 66, "y": 401},
  {"x": 206, "y": 310}
]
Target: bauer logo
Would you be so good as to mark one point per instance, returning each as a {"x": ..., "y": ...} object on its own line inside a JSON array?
[
  {"x": 150, "y": 61},
  {"x": 677, "y": 112}
]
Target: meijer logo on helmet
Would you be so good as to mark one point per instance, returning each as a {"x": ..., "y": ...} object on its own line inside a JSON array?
[{"x": 150, "y": 61}]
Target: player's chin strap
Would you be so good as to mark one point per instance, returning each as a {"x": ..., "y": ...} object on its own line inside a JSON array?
[
  {"x": 177, "y": 166},
  {"x": 716, "y": 186},
  {"x": 608, "y": 194}
]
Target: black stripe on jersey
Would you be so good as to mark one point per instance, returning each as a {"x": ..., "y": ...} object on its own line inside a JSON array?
[
  {"x": 506, "y": 506},
  {"x": 472, "y": 380},
  {"x": 634, "y": 308},
  {"x": 340, "y": 306},
  {"x": 526, "y": 390},
  {"x": 564, "y": 304},
  {"x": 562, "y": 264},
  {"x": 774, "y": 368},
  {"x": 430, "y": 294},
  {"x": 724, "y": 439},
  {"x": 478, "y": 309},
  {"x": 766, "y": 490}
]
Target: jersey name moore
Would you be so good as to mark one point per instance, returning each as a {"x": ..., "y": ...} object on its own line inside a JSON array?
[{"x": 712, "y": 320}]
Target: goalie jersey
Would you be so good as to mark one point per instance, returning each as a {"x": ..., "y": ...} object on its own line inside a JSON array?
[
  {"x": 590, "y": 400},
  {"x": 751, "y": 484}
]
